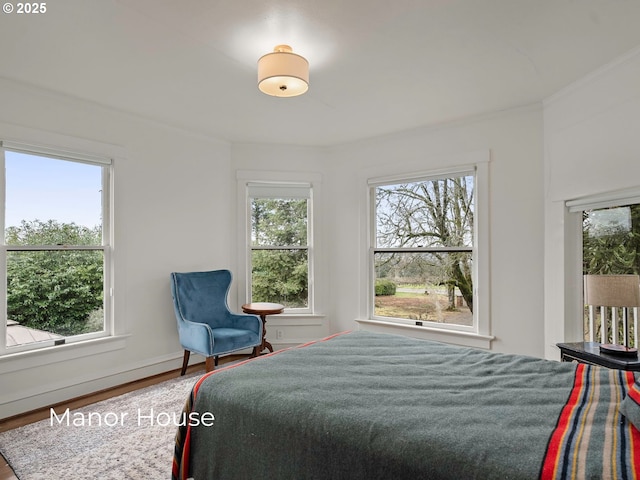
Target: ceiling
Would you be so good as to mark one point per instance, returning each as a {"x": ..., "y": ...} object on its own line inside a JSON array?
[{"x": 376, "y": 66}]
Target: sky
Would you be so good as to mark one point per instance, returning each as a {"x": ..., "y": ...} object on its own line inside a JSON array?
[
  {"x": 605, "y": 221},
  {"x": 50, "y": 189}
]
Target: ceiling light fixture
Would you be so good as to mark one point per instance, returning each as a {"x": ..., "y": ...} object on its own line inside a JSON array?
[{"x": 283, "y": 73}]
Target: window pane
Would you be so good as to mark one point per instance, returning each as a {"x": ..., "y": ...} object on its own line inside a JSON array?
[
  {"x": 610, "y": 246},
  {"x": 49, "y": 195},
  {"x": 433, "y": 213},
  {"x": 280, "y": 276},
  {"x": 278, "y": 222},
  {"x": 434, "y": 287},
  {"x": 53, "y": 292}
]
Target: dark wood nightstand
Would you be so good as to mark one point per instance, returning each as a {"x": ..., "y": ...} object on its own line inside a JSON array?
[{"x": 589, "y": 352}]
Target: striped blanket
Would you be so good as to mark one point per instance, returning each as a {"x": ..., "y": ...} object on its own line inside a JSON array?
[
  {"x": 372, "y": 406},
  {"x": 578, "y": 446}
]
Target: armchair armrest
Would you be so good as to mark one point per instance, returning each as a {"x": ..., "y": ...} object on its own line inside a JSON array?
[
  {"x": 196, "y": 337},
  {"x": 247, "y": 322}
]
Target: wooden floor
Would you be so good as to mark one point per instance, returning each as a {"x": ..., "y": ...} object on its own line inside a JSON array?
[
  {"x": 5, "y": 470},
  {"x": 6, "y": 473}
]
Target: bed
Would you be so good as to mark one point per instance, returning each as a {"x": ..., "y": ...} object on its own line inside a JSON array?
[{"x": 363, "y": 405}]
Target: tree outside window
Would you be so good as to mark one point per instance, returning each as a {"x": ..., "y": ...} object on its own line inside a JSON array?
[
  {"x": 57, "y": 291},
  {"x": 611, "y": 240}
]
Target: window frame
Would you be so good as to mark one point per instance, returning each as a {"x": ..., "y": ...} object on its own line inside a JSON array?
[
  {"x": 479, "y": 333},
  {"x": 311, "y": 182},
  {"x": 106, "y": 165},
  {"x": 277, "y": 188},
  {"x": 374, "y": 249}
]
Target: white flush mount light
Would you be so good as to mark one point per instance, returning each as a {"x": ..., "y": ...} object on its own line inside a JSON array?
[{"x": 283, "y": 73}]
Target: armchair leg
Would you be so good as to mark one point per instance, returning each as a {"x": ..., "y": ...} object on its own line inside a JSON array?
[
  {"x": 216, "y": 360},
  {"x": 185, "y": 362},
  {"x": 210, "y": 364}
]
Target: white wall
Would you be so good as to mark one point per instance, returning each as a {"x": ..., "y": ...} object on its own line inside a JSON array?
[
  {"x": 514, "y": 139},
  {"x": 172, "y": 212},
  {"x": 175, "y": 210},
  {"x": 592, "y": 145}
]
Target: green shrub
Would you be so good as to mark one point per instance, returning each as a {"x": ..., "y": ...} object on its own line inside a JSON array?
[
  {"x": 55, "y": 290},
  {"x": 385, "y": 287}
]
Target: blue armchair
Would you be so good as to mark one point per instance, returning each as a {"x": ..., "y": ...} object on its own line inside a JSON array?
[{"x": 205, "y": 324}]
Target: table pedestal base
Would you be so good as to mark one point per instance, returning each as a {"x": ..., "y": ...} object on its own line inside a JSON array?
[
  {"x": 265, "y": 345},
  {"x": 263, "y": 309}
]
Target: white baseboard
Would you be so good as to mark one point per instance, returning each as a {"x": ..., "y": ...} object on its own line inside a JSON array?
[{"x": 46, "y": 394}]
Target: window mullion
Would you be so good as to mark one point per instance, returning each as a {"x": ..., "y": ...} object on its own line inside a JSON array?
[
  {"x": 423, "y": 249},
  {"x": 46, "y": 248},
  {"x": 284, "y": 247}
]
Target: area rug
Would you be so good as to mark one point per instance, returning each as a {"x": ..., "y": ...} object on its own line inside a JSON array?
[{"x": 126, "y": 437}]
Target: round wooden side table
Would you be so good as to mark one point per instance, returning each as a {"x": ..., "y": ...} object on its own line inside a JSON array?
[{"x": 263, "y": 309}]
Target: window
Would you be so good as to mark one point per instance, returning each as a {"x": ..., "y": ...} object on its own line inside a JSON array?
[
  {"x": 55, "y": 253},
  {"x": 610, "y": 246},
  {"x": 423, "y": 250},
  {"x": 280, "y": 266}
]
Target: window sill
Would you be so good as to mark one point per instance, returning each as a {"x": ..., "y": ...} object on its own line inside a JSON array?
[
  {"x": 13, "y": 362},
  {"x": 466, "y": 339}
]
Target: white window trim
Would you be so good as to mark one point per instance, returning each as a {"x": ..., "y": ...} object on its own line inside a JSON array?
[
  {"x": 79, "y": 150},
  {"x": 480, "y": 334},
  {"x": 604, "y": 200},
  {"x": 246, "y": 178}
]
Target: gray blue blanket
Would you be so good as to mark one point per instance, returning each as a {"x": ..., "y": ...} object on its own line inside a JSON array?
[{"x": 373, "y": 406}]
